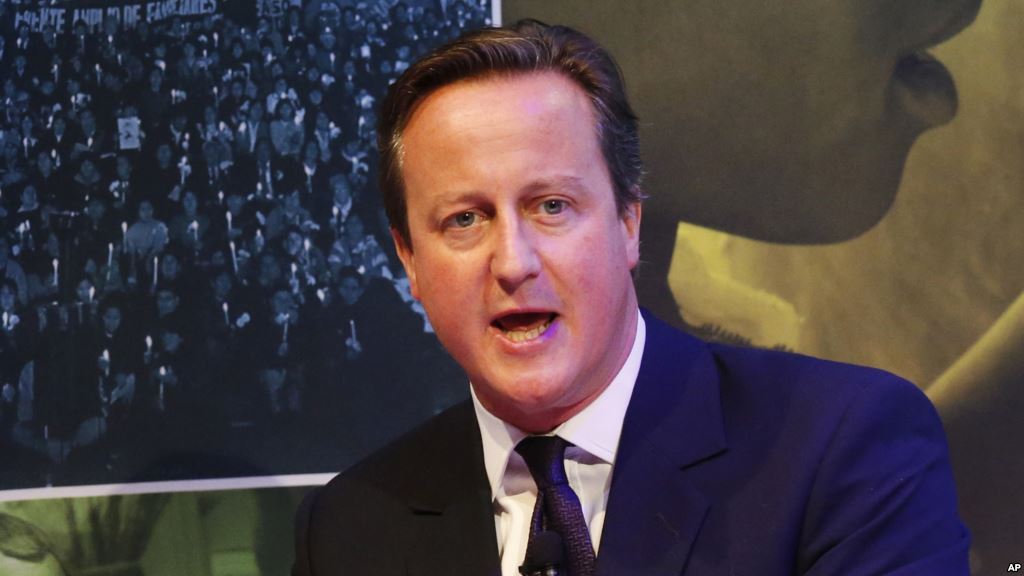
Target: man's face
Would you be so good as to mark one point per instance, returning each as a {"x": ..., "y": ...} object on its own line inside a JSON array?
[
  {"x": 285, "y": 111},
  {"x": 786, "y": 122},
  {"x": 166, "y": 303},
  {"x": 316, "y": 97},
  {"x": 518, "y": 253},
  {"x": 283, "y": 303},
  {"x": 45, "y": 163},
  {"x": 342, "y": 194},
  {"x": 354, "y": 229},
  {"x": 327, "y": 41},
  {"x": 310, "y": 152},
  {"x": 169, "y": 266},
  {"x": 82, "y": 290},
  {"x": 171, "y": 341},
  {"x": 189, "y": 203},
  {"x": 28, "y": 196},
  {"x": 163, "y": 155},
  {"x": 87, "y": 169},
  {"x": 88, "y": 122},
  {"x": 112, "y": 320},
  {"x": 350, "y": 290},
  {"x": 293, "y": 243},
  {"x": 256, "y": 113},
  {"x": 235, "y": 204},
  {"x": 145, "y": 211}
]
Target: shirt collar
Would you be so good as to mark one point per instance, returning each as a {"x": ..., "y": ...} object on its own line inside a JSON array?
[{"x": 595, "y": 429}]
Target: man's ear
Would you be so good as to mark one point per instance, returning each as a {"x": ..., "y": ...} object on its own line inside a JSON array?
[
  {"x": 408, "y": 261},
  {"x": 631, "y": 232}
]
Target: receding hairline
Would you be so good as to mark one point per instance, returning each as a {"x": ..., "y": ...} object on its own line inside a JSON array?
[{"x": 484, "y": 77}]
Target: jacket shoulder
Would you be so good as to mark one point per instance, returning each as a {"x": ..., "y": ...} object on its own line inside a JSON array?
[
  {"x": 363, "y": 517},
  {"x": 397, "y": 471},
  {"x": 853, "y": 458},
  {"x": 773, "y": 376}
]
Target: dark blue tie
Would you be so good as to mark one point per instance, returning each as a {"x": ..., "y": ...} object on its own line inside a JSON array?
[{"x": 558, "y": 508}]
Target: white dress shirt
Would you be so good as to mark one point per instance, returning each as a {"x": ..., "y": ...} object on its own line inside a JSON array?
[{"x": 595, "y": 434}]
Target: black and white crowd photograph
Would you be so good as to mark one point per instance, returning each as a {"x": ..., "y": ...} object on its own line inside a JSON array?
[{"x": 197, "y": 278}]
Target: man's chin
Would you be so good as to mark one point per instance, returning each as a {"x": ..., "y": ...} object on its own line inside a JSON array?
[
  {"x": 535, "y": 408},
  {"x": 819, "y": 207}
]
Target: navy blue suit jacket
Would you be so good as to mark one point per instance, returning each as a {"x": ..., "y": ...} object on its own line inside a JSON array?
[{"x": 731, "y": 461}]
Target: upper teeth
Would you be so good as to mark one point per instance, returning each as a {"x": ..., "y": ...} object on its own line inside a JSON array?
[{"x": 525, "y": 335}]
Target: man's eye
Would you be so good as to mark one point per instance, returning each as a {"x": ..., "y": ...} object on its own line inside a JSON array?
[
  {"x": 553, "y": 207},
  {"x": 464, "y": 220}
]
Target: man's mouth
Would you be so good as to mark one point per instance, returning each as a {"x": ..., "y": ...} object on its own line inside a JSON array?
[
  {"x": 524, "y": 326},
  {"x": 925, "y": 89}
]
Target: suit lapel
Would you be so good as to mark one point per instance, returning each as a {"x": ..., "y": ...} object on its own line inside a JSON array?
[
  {"x": 452, "y": 509},
  {"x": 673, "y": 423}
]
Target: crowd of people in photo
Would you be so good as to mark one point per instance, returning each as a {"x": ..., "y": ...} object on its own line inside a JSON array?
[{"x": 193, "y": 254}]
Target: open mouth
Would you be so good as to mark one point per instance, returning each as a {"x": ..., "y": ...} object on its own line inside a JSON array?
[
  {"x": 925, "y": 89},
  {"x": 524, "y": 326}
]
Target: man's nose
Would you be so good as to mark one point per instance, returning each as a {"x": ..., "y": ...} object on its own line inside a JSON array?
[{"x": 515, "y": 258}]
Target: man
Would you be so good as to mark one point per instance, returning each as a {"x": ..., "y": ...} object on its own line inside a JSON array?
[
  {"x": 510, "y": 169},
  {"x": 251, "y": 131},
  {"x": 147, "y": 237},
  {"x": 12, "y": 270}
]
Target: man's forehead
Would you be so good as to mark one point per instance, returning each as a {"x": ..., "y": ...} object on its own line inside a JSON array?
[
  {"x": 455, "y": 102},
  {"x": 476, "y": 124}
]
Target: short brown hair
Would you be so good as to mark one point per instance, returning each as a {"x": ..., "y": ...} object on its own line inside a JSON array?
[{"x": 527, "y": 46}]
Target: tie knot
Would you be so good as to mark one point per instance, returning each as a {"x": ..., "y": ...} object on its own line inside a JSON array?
[{"x": 544, "y": 456}]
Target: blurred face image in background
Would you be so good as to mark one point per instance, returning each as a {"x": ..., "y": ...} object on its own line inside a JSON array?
[{"x": 763, "y": 136}]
